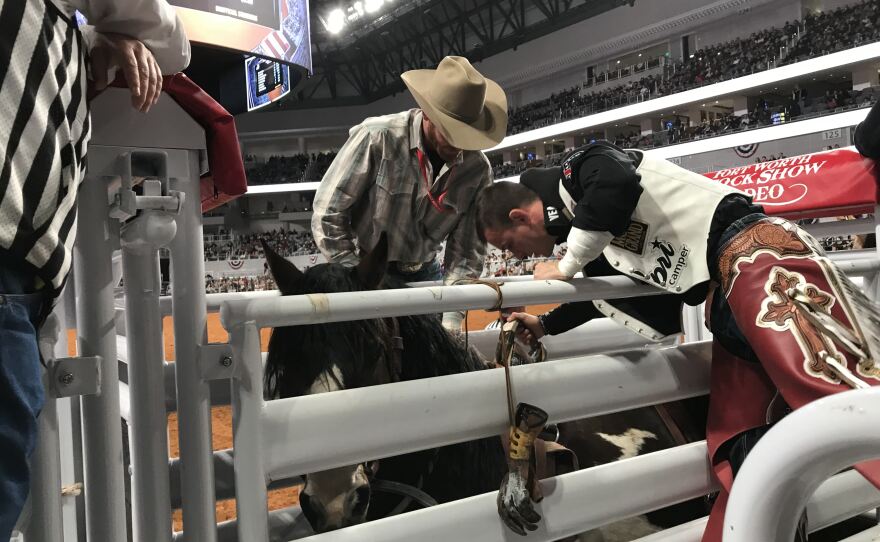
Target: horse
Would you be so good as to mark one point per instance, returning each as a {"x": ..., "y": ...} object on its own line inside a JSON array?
[{"x": 321, "y": 358}]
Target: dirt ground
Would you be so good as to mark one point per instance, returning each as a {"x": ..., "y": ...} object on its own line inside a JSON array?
[{"x": 222, "y": 416}]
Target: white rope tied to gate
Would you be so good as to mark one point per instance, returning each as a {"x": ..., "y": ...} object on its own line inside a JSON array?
[{"x": 72, "y": 490}]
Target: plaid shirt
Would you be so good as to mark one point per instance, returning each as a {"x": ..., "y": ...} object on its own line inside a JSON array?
[{"x": 375, "y": 184}]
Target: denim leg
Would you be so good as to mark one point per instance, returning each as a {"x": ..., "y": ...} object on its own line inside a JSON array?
[
  {"x": 21, "y": 398},
  {"x": 21, "y": 390}
]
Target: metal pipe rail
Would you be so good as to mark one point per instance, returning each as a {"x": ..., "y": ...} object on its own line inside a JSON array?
[
  {"x": 821, "y": 438},
  {"x": 336, "y": 307},
  {"x": 216, "y": 301},
  {"x": 839, "y": 498},
  {"x": 859, "y": 226},
  {"x": 573, "y": 503},
  {"x": 148, "y": 438},
  {"x": 565, "y": 512},
  {"x": 391, "y": 419},
  {"x": 471, "y": 404}
]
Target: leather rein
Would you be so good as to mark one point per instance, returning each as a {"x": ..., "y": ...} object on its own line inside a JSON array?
[{"x": 393, "y": 369}]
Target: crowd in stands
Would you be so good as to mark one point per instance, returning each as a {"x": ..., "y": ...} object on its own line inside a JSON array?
[
  {"x": 829, "y": 32},
  {"x": 288, "y": 169},
  {"x": 799, "y": 106},
  {"x": 225, "y": 285},
  {"x": 818, "y": 34},
  {"x": 244, "y": 247},
  {"x": 500, "y": 263}
]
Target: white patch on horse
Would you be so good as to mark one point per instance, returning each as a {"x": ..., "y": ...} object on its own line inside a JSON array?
[
  {"x": 329, "y": 380},
  {"x": 630, "y": 442}
]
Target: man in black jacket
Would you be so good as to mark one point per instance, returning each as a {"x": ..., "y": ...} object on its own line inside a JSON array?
[
  {"x": 625, "y": 212},
  {"x": 867, "y": 136}
]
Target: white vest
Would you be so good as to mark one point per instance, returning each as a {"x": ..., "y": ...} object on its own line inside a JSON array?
[{"x": 667, "y": 239}]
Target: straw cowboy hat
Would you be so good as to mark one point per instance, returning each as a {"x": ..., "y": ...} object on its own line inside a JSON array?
[{"x": 469, "y": 109}]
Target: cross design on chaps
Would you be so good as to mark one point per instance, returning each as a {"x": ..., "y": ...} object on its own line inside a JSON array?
[{"x": 779, "y": 313}]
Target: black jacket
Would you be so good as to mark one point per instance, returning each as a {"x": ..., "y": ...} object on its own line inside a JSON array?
[{"x": 604, "y": 181}]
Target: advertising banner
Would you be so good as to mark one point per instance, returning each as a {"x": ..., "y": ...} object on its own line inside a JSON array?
[{"x": 831, "y": 183}]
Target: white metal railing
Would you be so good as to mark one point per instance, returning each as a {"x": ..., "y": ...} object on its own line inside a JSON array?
[
  {"x": 839, "y": 498},
  {"x": 792, "y": 459},
  {"x": 264, "y": 430}
]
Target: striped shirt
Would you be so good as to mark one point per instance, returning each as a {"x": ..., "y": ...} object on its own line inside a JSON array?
[
  {"x": 375, "y": 185},
  {"x": 44, "y": 118}
]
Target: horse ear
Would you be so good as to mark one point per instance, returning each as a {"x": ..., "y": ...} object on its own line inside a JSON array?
[
  {"x": 286, "y": 275},
  {"x": 371, "y": 268}
]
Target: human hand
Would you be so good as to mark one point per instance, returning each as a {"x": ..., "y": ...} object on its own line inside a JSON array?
[
  {"x": 530, "y": 329},
  {"x": 140, "y": 68},
  {"x": 549, "y": 271}
]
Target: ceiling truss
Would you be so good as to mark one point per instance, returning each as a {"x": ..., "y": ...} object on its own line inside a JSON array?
[{"x": 367, "y": 67}]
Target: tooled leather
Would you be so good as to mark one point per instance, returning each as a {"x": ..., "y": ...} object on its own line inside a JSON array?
[{"x": 762, "y": 235}]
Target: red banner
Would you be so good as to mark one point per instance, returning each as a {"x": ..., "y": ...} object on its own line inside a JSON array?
[{"x": 831, "y": 183}]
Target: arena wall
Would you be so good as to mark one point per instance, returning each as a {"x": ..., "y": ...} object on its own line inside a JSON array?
[{"x": 794, "y": 146}]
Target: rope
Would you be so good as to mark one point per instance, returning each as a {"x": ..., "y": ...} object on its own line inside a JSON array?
[
  {"x": 73, "y": 490},
  {"x": 499, "y": 302}
]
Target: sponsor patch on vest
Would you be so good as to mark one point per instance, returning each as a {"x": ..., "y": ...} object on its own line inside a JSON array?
[
  {"x": 633, "y": 239},
  {"x": 671, "y": 263},
  {"x": 567, "y": 168},
  {"x": 552, "y": 213}
]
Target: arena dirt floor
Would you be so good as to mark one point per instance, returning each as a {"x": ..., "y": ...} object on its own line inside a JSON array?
[{"x": 222, "y": 416}]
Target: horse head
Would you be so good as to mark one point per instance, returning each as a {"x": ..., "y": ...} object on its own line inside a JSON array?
[{"x": 309, "y": 359}]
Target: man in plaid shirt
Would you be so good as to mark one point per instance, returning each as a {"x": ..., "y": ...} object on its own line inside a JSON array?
[{"x": 415, "y": 176}]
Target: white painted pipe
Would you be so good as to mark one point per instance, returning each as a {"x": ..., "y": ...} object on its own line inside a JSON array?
[
  {"x": 839, "y": 498},
  {"x": 215, "y": 301},
  {"x": 841, "y": 227},
  {"x": 349, "y": 426},
  {"x": 791, "y": 460},
  {"x": 572, "y": 503},
  {"x": 335, "y": 307},
  {"x": 859, "y": 267}
]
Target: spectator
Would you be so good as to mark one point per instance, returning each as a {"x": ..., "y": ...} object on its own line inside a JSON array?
[{"x": 47, "y": 125}]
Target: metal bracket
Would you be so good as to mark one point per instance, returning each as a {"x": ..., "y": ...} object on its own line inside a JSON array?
[
  {"x": 70, "y": 377},
  {"x": 216, "y": 362},
  {"x": 156, "y": 194}
]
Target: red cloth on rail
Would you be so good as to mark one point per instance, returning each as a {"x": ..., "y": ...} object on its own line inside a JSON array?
[{"x": 225, "y": 179}]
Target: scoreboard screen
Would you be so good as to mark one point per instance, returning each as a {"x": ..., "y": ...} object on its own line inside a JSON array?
[{"x": 267, "y": 81}]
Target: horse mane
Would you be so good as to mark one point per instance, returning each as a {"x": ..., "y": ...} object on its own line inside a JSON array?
[{"x": 298, "y": 355}]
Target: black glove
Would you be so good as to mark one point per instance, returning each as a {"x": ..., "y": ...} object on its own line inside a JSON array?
[{"x": 520, "y": 486}]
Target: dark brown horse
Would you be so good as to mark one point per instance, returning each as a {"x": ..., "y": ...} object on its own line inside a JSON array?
[{"x": 322, "y": 358}]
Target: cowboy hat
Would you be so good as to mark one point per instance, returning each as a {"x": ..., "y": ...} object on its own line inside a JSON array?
[{"x": 469, "y": 109}]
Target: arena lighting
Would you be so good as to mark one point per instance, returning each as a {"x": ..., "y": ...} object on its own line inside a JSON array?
[
  {"x": 697, "y": 95},
  {"x": 335, "y": 21},
  {"x": 760, "y": 135},
  {"x": 285, "y": 187},
  {"x": 372, "y": 6}
]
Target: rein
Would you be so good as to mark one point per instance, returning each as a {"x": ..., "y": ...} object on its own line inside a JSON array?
[{"x": 394, "y": 368}]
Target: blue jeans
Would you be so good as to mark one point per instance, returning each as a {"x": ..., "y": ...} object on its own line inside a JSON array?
[
  {"x": 724, "y": 327},
  {"x": 21, "y": 390}
]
